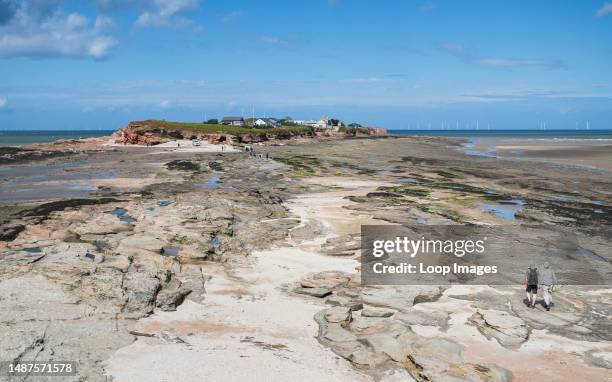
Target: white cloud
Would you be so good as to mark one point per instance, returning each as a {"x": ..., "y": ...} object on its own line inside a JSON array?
[
  {"x": 513, "y": 63},
  {"x": 510, "y": 93},
  {"x": 167, "y": 13},
  {"x": 468, "y": 56},
  {"x": 2, "y": 102},
  {"x": 605, "y": 9},
  {"x": 187, "y": 95},
  {"x": 41, "y": 29}
]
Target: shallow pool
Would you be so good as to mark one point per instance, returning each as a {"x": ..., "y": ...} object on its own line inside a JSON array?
[{"x": 505, "y": 209}]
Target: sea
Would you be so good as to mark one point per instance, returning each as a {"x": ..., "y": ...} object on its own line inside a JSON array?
[
  {"x": 559, "y": 134},
  {"x": 18, "y": 138}
]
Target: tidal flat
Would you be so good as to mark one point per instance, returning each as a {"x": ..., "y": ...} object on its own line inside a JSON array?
[{"x": 241, "y": 267}]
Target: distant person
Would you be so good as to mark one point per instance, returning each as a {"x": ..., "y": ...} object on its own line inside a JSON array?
[
  {"x": 531, "y": 281},
  {"x": 547, "y": 279},
  {"x": 267, "y": 156}
]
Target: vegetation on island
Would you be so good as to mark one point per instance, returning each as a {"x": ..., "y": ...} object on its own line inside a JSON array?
[
  {"x": 216, "y": 128},
  {"x": 353, "y": 129}
]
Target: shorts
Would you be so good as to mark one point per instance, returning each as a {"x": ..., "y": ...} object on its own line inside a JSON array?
[{"x": 532, "y": 288}]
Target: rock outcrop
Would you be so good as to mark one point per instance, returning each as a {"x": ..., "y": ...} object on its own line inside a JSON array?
[
  {"x": 507, "y": 329},
  {"x": 372, "y": 340}
]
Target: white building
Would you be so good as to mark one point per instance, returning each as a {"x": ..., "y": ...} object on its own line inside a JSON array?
[
  {"x": 322, "y": 123},
  {"x": 259, "y": 122},
  {"x": 269, "y": 122}
]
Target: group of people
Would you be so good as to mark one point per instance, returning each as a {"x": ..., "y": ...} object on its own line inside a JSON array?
[
  {"x": 545, "y": 278},
  {"x": 253, "y": 154}
]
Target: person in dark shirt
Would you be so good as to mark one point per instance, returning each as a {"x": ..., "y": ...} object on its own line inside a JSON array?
[{"x": 531, "y": 283}]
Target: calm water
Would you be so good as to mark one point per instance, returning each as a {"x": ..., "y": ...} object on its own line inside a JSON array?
[
  {"x": 16, "y": 138},
  {"x": 521, "y": 134}
]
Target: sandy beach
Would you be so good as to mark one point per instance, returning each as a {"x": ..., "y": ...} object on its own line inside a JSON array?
[
  {"x": 588, "y": 153},
  {"x": 179, "y": 145}
]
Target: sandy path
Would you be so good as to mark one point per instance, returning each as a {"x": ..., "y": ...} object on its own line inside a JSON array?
[
  {"x": 180, "y": 145},
  {"x": 248, "y": 327}
]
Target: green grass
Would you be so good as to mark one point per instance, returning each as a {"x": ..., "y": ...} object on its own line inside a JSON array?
[{"x": 205, "y": 128}]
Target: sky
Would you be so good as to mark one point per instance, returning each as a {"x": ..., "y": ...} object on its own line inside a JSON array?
[{"x": 396, "y": 64}]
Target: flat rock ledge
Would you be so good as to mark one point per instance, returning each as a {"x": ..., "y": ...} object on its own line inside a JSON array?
[
  {"x": 381, "y": 344},
  {"x": 508, "y": 330}
]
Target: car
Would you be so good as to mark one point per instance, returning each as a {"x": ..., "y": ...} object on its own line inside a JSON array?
[{"x": 196, "y": 143}]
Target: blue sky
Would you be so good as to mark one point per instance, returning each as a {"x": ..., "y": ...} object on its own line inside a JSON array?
[{"x": 396, "y": 64}]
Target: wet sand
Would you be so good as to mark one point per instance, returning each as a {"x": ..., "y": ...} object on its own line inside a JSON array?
[{"x": 589, "y": 153}]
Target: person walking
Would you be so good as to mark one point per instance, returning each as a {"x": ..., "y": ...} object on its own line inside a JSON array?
[
  {"x": 547, "y": 280},
  {"x": 531, "y": 282}
]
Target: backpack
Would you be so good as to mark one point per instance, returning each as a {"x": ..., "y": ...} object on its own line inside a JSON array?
[{"x": 532, "y": 276}]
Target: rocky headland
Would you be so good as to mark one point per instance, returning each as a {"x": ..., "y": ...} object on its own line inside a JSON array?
[{"x": 155, "y": 132}]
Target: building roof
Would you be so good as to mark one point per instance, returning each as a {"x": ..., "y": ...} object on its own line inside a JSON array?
[{"x": 231, "y": 119}]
